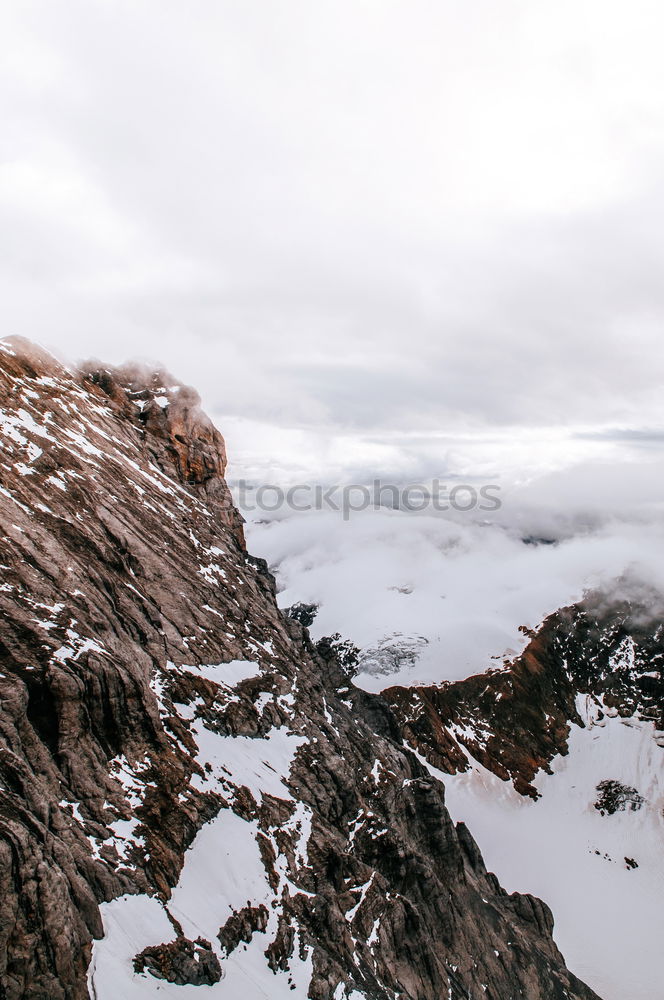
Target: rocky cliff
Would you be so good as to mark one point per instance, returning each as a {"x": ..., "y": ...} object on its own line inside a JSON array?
[{"x": 192, "y": 798}]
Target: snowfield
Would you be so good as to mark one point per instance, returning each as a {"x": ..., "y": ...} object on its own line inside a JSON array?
[{"x": 608, "y": 915}]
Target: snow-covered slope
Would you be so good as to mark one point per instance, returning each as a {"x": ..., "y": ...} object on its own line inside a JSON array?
[
  {"x": 223, "y": 872},
  {"x": 557, "y": 763},
  {"x": 603, "y": 875}
]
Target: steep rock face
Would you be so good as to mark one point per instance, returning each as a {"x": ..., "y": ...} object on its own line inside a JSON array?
[
  {"x": 182, "y": 776},
  {"x": 604, "y": 656}
]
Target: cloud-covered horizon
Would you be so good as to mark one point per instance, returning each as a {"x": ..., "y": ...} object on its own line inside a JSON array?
[{"x": 349, "y": 224}]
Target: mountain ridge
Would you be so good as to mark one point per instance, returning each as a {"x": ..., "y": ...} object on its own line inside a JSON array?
[{"x": 516, "y": 719}]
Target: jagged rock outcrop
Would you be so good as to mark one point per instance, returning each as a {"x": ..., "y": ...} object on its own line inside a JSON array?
[
  {"x": 183, "y": 962},
  {"x": 183, "y": 777}
]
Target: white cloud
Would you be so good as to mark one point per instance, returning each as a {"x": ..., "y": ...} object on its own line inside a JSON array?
[
  {"x": 345, "y": 220},
  {"x": 466, "y": 582}
]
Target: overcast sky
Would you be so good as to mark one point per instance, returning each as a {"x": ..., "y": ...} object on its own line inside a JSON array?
[{"x": 372, "y": 233}]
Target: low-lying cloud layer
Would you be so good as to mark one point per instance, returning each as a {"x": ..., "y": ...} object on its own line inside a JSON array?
[{"x": 466, "y": 584}]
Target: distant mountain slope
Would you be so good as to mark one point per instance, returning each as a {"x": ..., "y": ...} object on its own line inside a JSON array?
[
  {"x": 600, "y": 656},
  {"x": 191, "y": 798},
  {"x": 557, "y": 762}
]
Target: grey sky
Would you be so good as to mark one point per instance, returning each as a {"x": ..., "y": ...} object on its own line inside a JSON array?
[{"x": 357, "y": 222}]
